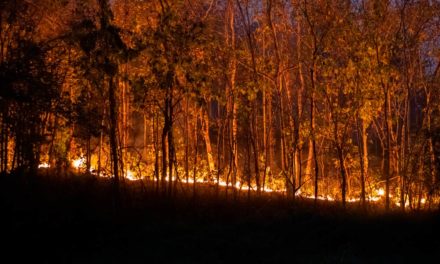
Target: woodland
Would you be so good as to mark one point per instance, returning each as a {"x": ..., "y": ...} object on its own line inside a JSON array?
[{"x": 304, "y": 126}]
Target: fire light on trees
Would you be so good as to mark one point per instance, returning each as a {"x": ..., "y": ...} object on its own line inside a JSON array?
[{"x": 323, "y": 100}]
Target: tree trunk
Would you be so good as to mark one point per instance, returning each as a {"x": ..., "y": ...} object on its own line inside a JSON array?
[
  {"x": 207, "y": 138},
  {"x": 113, "y": 134},
  {"x": 233, "y": 93},
  {"x": 299, "y": 102},
  {"x": 156, "y": 133},
  {"x": 312, "y": 129},
  {"x": 101, "y": 140},
  {"x": 187, "y": 139},
  {"x": 387, "y": 165},
  {"x": 362, "y": 149},
  {"x": 165, "y": 135},
  {"x": 343, "y": 175},
  {"x": 196, "y": 147}
]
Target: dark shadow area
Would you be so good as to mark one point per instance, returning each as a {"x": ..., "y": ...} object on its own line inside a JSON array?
[{"x": 74, "y": 220}]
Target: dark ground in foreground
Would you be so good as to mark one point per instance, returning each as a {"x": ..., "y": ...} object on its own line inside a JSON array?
[{"x": 72, "y": 220}]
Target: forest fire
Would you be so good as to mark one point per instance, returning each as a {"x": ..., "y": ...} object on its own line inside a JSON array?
[
  {"x": 377, "y": 195},
  {"x": 274, "y": 111},
  {"x": 308, "y": 116}
]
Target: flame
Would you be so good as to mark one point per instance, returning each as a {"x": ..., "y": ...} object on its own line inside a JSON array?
[
  {"x": 130, "y": 176},
  {"x": 78, "y": 163},
  {"x": 373, "y": 198},
  {"x": 44, "y": 166},
  {"x": 376, "y": 195},
  {"x": 381, "y": 192}
]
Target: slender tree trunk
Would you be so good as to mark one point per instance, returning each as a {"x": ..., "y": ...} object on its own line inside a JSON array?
[
  {"x": 146, "y": 129},
  {"x": 187, "y": 139},
  {"x": 170, "y": 159},
  {"x": 265, "y": 137},
  {"x": 101, "y": 141},
  {"x": 196, "y": 147},
  {"x": 343, "y": 175},
  {"x": 156, "y": 150},
  {"x": 113, "y": 134},
  {"x": 362, "y": 138},
  {"x": 312, "y": 129},
  {"x": 123, "y": 125},
  {"x": 88, "y": 154},
  {"x": 270, "y": 98},
  {"x": 387, "y": 165},
  {"x": 207, "y": 138},
  {"x": 432, "y": 159},
  {"x": 254, "y": 141},
  {"x": 300, "y": 92},
  {"x": 165, "y": 131},
  {"x": 309, "y": 163},
  {"x": 233, "y": 93}
]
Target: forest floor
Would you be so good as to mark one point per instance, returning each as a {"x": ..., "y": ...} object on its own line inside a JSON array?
[{"x": 75, "y": 219}]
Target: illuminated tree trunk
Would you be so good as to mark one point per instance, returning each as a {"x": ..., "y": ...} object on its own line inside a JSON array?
[
  {"x": 88, "y": 154},
  {"x": 187, "y": 138},
  {"x": 299, "y": 102},
  {"x": 278, "y": 87},
  {"x": 101, "y": 142},
  {"x": 284, "y": 152},
  {"x": 220, "y": 148},
  {"x": 205, "y": 130},
  {"x": 265, "y": 148},
  {"x": 343, "y": 174},
  {"x": 171, "y": 153},
  {"x": 269, "y": 134},
  {"x": 165, "y": 147},
  {"x": 431, "y": 142},
  {"x": 363, "y": 156},
  {"x": 402, "y": 158},
  {"x": 235, "y": 173},
  {"x": 113, "y": 134},
  {"x": 308, "y": 169},
  {"x": 164, "y": 159},
  {"x": 312, "y": 129},
  {"x": 387, "y": 165},
  {"x": 123, "y": 125},
  {"x": 232, "y": 95},
  {"x": 196, "y": 147},
  {"x": 254, "y": 142},
  {"x": 156, "y": 133},
  {"x": 146, "y": 129}
]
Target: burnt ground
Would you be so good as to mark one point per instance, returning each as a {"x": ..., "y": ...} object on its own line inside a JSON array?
[{"x": 48, "y": 219}]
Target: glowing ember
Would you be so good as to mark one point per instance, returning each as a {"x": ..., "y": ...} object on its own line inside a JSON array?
[{"x": 43, "y": 166}]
